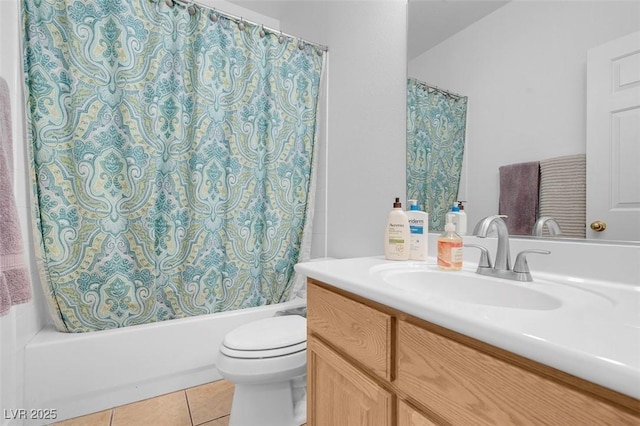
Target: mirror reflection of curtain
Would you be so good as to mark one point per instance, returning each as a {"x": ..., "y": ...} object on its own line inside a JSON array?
[
  {"x": 171, "y": 159},
  {"x": 436, "y": 123}
]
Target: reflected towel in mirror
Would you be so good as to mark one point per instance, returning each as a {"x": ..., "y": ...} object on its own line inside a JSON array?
[
  {"x": 519, "y": 187},
  {"x": 563, "y": 193}
]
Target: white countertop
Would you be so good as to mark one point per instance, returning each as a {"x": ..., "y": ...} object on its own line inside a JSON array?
[{"x": 594, "y": 335}]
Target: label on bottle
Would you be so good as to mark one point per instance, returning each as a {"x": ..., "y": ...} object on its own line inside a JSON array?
[
  {"x": 450, "y": 255},
  {"x": 416, "y": 240},
  {"x": 396, "y": 234},
  {"x": 398, "y": 249},
  {"x": 416, "y": 226},
  {"x": 417, "y": 230},
  {"x": 396, "y": 239}
]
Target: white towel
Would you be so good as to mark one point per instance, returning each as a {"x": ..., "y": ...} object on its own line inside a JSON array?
[
  {"x": 563, "y": 193},
  {"x": 15, "y": 283}
]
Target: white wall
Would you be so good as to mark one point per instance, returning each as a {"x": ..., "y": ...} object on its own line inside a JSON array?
[
  {"x": 367, "y": 117},
  {"x": 523, "y": 68}
]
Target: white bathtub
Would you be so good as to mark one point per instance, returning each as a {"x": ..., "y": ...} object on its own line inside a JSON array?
[{"x": 77, "y": 374}]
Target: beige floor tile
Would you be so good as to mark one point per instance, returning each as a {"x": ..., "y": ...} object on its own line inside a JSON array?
[
  {"x": 210, "y": 401},
  {"x": 102, "y": 418},
  {"x": 165, "y": 410}
]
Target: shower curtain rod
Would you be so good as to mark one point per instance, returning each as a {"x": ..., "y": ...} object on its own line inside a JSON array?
[
  {"x": 240, "y": 20},
  {"x": 437, "y": 89}
]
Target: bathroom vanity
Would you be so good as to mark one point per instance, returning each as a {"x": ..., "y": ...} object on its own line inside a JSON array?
[{"x": 399, "y": 360}]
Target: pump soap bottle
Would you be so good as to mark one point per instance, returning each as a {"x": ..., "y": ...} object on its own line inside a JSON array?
[
  {"x": 452, "y": 216},
  {"x": 419, "y": 228},
  {"x": 461, "y": 228},
  {"x": 397, "y": 235},
  {"x": 450, "y": 249}
]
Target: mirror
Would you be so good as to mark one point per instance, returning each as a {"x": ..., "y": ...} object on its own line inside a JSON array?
[{"x": 523, "y": 67}]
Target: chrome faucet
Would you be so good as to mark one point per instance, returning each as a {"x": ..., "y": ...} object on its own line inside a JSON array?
[
  {"x": 502, "y": 266},
  {"x": 503, "y": 256},
  {"x": 552, "y": 225}
]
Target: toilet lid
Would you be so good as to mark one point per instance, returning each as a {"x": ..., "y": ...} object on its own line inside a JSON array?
[{"x": 269, "y": 333}]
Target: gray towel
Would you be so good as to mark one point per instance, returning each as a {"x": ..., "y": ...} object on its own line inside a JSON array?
[
  {"x": 519, "y": 196},
  {"x": 15, "y": 284},
  {"x": 563, "y": 193}
]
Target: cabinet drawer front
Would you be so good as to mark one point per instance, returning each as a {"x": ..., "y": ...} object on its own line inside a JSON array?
[
  {"x": 465, "y": 386},
  {"x": 357, "y": 330}
]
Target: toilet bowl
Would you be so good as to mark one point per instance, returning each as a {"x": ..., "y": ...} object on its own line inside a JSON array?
[{"x": 266, "y": 360}]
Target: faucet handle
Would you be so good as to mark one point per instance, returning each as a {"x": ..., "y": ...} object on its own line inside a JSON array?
[
  {"x": 485, "y": 258},
  {"x": 521, "y": 267}
]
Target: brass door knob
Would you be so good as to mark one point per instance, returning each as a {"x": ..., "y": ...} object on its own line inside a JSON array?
[{"x": 598, "y": 226}]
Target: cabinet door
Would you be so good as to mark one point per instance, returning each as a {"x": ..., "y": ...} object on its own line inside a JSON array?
[
  {"x": 407, "y": 416},
  {"x": 340, "y": 394}
]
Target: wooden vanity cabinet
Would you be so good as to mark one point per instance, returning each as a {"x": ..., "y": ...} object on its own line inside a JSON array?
[{"x": 369, "y": 364}]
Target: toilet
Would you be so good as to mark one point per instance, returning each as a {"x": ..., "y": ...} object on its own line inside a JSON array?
[{"x": 266, "y": 360}]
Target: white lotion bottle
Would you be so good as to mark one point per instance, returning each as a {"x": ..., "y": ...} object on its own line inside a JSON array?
[
  {"x": 461, "y": 225},
  {"x": 419, "y": 229},
  {"x": 397, "y": 235}
]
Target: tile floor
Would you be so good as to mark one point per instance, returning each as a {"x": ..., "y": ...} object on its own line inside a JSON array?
[{"x": 205, "y": 405}]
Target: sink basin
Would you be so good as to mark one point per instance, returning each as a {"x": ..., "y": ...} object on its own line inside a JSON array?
[{"x": 467, "y": 287}]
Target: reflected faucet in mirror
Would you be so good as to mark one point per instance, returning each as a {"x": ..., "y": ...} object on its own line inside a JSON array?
[
  {"x": 552, "y": 226},
  {"x": 502, "y": 266}
]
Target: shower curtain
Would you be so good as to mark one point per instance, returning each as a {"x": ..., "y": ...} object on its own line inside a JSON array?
[
  {"x": 436, "y": 123},
  {"x": 171, "y": 158}
]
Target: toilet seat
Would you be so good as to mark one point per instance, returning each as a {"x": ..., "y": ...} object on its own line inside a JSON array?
[{"x": 267, "y": 338}]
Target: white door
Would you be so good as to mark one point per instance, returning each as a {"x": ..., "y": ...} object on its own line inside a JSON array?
[{"x": 613, "y": 139}]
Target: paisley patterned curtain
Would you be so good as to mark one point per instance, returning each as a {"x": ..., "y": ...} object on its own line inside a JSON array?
[
  {"x": 436, "y": 123},
  {"x": 171, "y": 159}
]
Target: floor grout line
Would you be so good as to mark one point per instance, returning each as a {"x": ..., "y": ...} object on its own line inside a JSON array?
[{"x": 188, "y": 407}]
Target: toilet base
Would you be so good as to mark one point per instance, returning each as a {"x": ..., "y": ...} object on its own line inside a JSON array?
[{"x": 269, "y": 404}]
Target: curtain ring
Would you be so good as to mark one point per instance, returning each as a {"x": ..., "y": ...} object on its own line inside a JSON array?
[
  {"x": 168, "y": 3},
  {"x": 191, "y": 9},
  {"x": 281, "y": 38},
  {"x": 241, "y": 25},
  {"x": 300, "y": 45},
  {"x": 262, "y": 32},
  {"x": 213, "y": 16}
]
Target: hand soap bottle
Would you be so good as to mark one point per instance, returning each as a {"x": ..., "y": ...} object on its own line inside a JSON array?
[
  {"x": 450, "y": 249},
  {"x": 419, "y": 228},
  {"x": 458, "y": 218},
  {"x": 452, "y": 216},
  {"x": 397, "y": 235}
]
